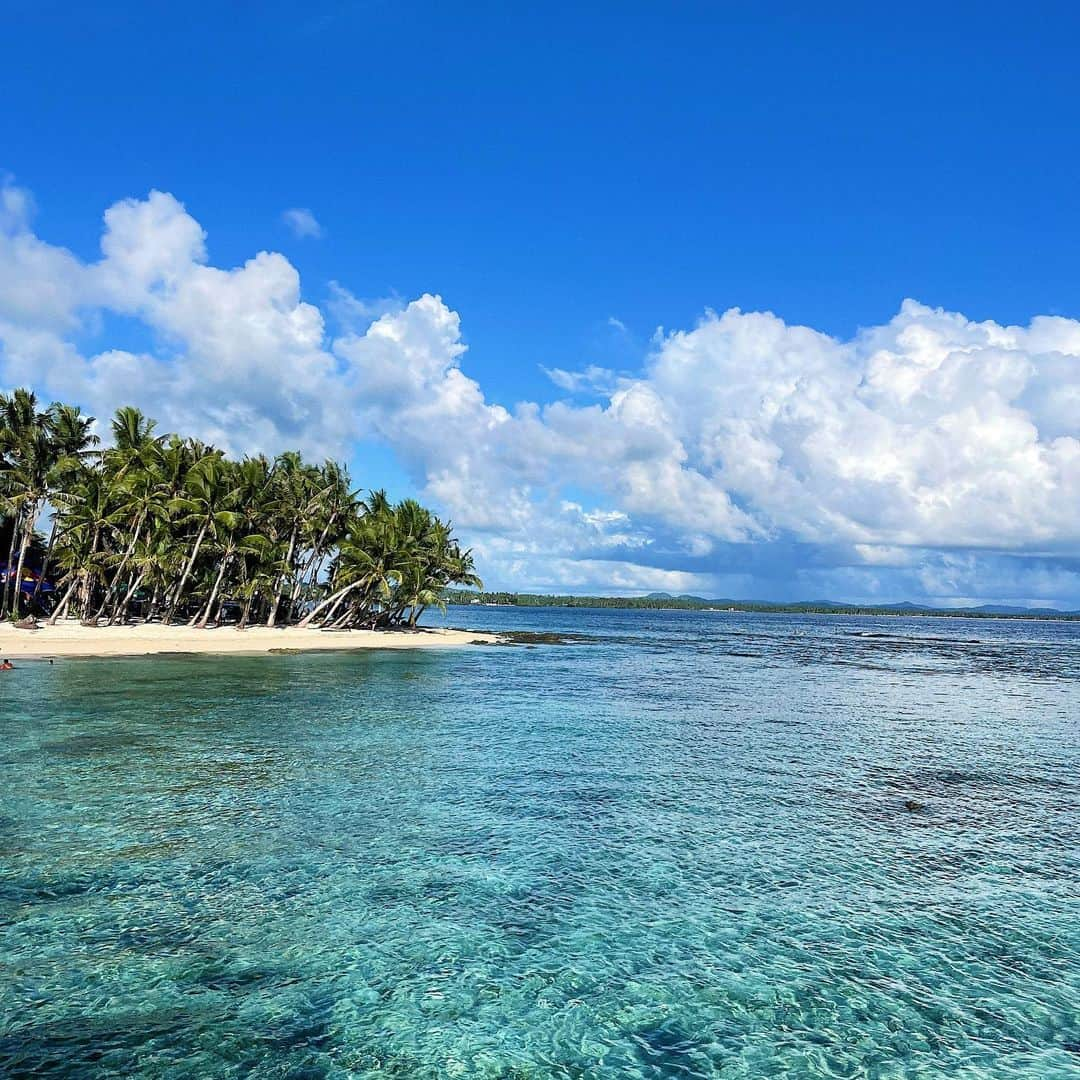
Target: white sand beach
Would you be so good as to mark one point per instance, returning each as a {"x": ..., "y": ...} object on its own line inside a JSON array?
[{"x": 70, "y": 639}]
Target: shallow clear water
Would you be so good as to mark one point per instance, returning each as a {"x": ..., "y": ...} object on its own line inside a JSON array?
[{"x": 696, "y": 845}]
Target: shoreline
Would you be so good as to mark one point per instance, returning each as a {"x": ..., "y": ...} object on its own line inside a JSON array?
[{"x": 70, "y": 640}]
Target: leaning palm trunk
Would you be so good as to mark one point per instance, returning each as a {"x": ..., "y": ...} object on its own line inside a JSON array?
[
  {"x": 28, "y": 536},
  {"x": 61, "y": 608},
  {"x": 314, "y": 560},
  {"x": 394, "y": 614},
  {"x": 301, "y": 578},
  {"x": 366, "y": 609},
  {"x": 47, "y": 559},
  {"x": 281, "y": 581},
  {"x": 198, "y": 613},
  {"x": 120, "y": 614},
  {"x": 306, "y": 621},
  {"x": 348, "y": 617},
  {"x": 104, "y": 603},
  {"x": 10, "y": 560},
  {"x": 214, "y": 594},
  {"x": 329, "y": 618},
  {"x": 175, "y": 600},
  {"x": 116, "y": 584},
  {"x": 85, "y": 587}
]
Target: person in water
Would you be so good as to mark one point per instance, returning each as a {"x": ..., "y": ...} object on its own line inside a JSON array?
[{"x": 7, "y": 665}]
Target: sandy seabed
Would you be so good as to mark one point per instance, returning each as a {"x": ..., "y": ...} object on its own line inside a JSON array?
[{"x": 68, "y": 638}]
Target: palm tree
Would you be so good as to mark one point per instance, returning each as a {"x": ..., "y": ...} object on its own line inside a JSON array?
[
  {"x": 206, "y": 505},
  {"x": 394, "y": 559},
  {"x": 31, "y": 453},
  {"x": 332, "y": 507},
  {"x": 73, "y": 437},
  {"x": 232, "y": 545},
  {"x": 293, "y": 487},
  {"x": 260, "y": 561},
  {"x": 141, "y": 499},
  {"x": 85, "y": 518}
]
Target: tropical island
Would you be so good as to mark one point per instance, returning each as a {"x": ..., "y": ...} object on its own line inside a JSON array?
[{"x": 148, "y": 543}]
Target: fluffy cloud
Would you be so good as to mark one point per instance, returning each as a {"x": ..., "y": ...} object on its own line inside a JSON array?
[
  {"x": 302, "y": 222},
  {"x": 929, "y": 432},
  {"x": 233, "y": 355},
  {"x": 931, "y": 455}
]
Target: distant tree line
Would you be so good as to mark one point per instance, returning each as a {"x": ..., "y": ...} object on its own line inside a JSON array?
[
  {"x": 461, "y": 596},
  {"x": 173, "y": 528},
  {"x": 696, "y": 603}
]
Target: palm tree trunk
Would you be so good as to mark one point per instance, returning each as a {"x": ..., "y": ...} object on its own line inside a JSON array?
[
  {"x": 48, "y": 557},
  {"x": 346, "y": 617},
  {"x": 104, "y": 603},
  {"x": 327, "y": 602},
  {"x": 121, "y": 612},
  {"x": 198, "y": 614},
  {"x": 214, "y": 593},
  {"x": 301, "y": 574},
  {"x": 393, "y": 614},
  {"x": 328, "y": 620},
  {"x": 84, "y": 591},
  {"x": 114, "y": 585},
  {"x": 242, "y": 624},
  {"x": 281, "y": 581},
  {"x": 10, "y": 560},
  {"x": 184, "y": 577},
  {"x": 315, "y": 554},
  {"x": 63, "y": 605},
  {"x": 28, "y": 535},
  {"x": 154, "y": 600},
  {"x": 353, "y": 610},
  {"x": 318, "y": 569}
]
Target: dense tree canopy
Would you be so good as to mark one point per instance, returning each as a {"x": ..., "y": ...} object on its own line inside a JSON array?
[{"x": 170, "y": 528}]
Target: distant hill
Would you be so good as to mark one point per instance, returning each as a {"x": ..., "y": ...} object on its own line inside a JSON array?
[
  {"x": 666, "y": 601},
  {"x": 681, "y": 596},
  {"x": 902, "y": 606},
  {"x": 1002, "y": 609}
]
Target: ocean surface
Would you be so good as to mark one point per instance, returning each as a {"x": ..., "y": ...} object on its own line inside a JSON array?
[{"x": 685, "y": 845}]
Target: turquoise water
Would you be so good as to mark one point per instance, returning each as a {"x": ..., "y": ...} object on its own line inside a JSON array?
[{"x": 696, "y": 845}]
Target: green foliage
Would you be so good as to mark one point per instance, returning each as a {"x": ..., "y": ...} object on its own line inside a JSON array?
[{"x": 168, "y": 526}]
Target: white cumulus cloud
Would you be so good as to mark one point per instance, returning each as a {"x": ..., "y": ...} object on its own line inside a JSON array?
[{"x": 932, "y": 454}]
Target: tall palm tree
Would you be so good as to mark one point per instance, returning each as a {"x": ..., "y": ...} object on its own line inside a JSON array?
[
  {"x": 293, "y": 489},
  {"x": 73, "y": 439},
  {"x": 206, "y": 505},
  {"x": 333, "y": 505},
  {"x": 85, "y": 520},
  {"x": 141, "y": 498},
  {"x": 30, "y": 453}
]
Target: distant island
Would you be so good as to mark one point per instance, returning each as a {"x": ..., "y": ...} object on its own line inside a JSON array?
[{"x": 665, "y": 601}]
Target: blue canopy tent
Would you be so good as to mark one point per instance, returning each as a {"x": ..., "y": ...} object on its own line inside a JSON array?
[{"x": 29, "y": 580}]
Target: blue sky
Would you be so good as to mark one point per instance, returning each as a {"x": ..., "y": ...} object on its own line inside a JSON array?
[{"x": 567, "y": 179}]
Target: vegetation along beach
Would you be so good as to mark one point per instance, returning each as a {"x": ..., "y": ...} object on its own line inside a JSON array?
[{"x": 171, "y": 532}]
